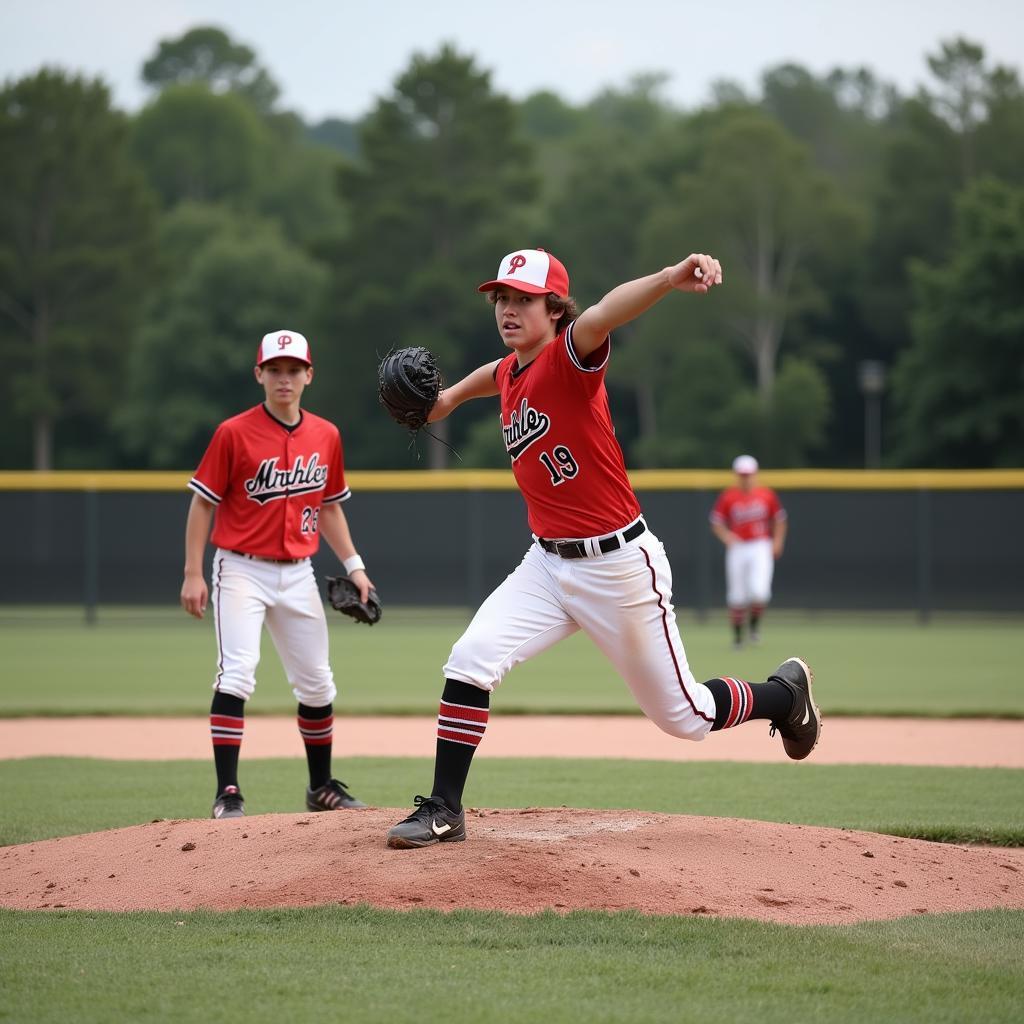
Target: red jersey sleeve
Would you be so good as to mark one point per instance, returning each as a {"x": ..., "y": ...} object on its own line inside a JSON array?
[
  {"x": 589, "y": 372},
  {"x": 720, "y": 512},
  {"x": 211, "y": 478}
]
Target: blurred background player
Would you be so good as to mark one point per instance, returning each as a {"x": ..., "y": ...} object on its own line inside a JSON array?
[
  {"x": 272, "y": 480},
  {"x": 594, "y": 565},
  {"x": 751, "y": 522}
]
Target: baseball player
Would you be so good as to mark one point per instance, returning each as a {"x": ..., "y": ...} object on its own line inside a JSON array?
[
  {"x": 272, "y": 480},
  {"x": 595, "y": 563},
  {"x": 751, "y": 522}
]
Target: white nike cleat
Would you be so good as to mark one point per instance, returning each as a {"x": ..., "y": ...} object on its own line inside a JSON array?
[
  {"x": 802, "y": 727},
  {"x": 432, "y": 822}
]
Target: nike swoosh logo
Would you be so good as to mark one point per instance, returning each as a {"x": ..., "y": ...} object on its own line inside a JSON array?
[
  {"x": 439, "y": 831},
  {"x": 807, "y": 714}
]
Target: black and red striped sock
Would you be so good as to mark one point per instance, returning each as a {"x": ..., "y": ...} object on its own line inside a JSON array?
[
  {"x": 316, "y": 726},
  {"x": 736, "y": 616},
  {"x": 756, "y": 611},
  {"x": 737, "y": 701},
  {"x": 461, "y": 723},
  {"x": 227, "y": 723}
]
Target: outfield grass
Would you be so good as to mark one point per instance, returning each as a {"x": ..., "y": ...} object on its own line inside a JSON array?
[
  {"x": 163, "y": 663},
  {"x": 946, "y": 804},
  {"x": 357, "y": 964}
]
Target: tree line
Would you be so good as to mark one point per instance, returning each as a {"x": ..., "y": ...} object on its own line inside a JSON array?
[{"x": 143, "y": 256}]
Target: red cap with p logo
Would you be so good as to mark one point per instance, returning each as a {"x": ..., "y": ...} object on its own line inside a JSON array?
[
  {"x": 284, "y": 345},
  {"x": 531, "y": 270}
]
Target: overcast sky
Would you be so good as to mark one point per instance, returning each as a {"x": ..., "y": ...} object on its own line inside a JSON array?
[{"x": 336, "y": 58}]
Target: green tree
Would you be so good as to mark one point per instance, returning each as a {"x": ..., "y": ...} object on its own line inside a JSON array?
[
  {"x": 959, "y": 388},
  {"x": 226, "y": 282},
  {"x": 970, "y": 122},
  {"x": 961, "y": 98},
  {"x": 756, "y": 200},
  {"x": 76, "y": 228},
  {"x": 334, "y": 133},
  {"x": 999, "y": 139},
  {"x": 297, "y": 184},
  {"x": 844, "y": 117},
  {"x": 442, "y": 192},
  {"x": 208, "y": 56},
  {"x": 838, "y": 116},
  {"x": 774, "y": 219},
  {"x": 196, "y": 145}
]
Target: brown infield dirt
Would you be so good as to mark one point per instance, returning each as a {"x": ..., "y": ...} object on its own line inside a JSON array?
[{"x": 520, "y": 861}]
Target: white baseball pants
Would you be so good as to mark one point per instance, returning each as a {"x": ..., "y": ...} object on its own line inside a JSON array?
[
  {"x": 749, "y": 566},
  {"x": 248, "y": 592},
  {"x": 622, "y": 600}
]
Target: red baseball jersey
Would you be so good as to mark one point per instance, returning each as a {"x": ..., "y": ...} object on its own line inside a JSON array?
[
  {"x": 559, "y": 434},
  {"x": 748, "y": 514},
  {"x": 268, "y": 482}
]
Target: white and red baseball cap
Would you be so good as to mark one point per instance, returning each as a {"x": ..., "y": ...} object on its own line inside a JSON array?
[
  {"x": 744, "y": 465},
  {"x": 531, "y": 270},
  {"x": 284, "y": 345}
]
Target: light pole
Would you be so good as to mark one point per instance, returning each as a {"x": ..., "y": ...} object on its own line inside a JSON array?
[{"x": 871, "y": 376}]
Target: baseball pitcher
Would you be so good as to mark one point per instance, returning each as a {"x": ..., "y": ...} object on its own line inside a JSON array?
[{"x": 595, "y": 563}]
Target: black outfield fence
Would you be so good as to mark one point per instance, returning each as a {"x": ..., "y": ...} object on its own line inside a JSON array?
[{"x": 910, "y": 540}]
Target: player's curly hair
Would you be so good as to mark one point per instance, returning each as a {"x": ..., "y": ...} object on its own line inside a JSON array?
[{"x": 566, "y": 308}]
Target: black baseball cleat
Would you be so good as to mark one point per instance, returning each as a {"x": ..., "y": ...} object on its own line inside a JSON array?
[
  {"x": 432, "y": 822},
  {"x": 802, "y": 727},
  {"x": 229, "y": 804},
  {"x": 332, "y": 796}
]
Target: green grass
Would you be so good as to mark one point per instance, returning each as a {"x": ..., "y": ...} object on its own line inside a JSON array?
[
  {"x": 153, "y": 662},
  {"x": 950, "y": 804},
  {"x": 357, "y": 964}
]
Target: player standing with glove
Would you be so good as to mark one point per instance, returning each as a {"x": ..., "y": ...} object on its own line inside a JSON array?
[
  {"x": 272, "y": 480},
  {"x": 595, "y": 565}
]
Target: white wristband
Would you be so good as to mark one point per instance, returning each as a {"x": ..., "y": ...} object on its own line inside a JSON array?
[{"x": 353, "y": 564}]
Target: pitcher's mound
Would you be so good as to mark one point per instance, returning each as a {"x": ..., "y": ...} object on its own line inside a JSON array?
[{"x": 514, "y": 860}]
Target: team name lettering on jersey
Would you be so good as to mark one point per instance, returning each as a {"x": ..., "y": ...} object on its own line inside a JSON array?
[
  {"x": 270, "y": 483},
  {"x": 750, "y": 512},
  {"x": 525, "y": 426}
]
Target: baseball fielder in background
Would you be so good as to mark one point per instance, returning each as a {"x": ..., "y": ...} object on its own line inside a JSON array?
[
  {"x": 272, "y": 480},
  {"x": 595, "y": 564},
  {"x": 751, "y": 522}
]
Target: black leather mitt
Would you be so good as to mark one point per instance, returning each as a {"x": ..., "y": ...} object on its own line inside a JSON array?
[
  {"x": 408, "y": 383},
  {"x": 343, "y": 596}
]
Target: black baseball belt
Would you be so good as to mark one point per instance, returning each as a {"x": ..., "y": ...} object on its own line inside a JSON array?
[
  {"x": 263, "y": 558},
  {"x": 583, "y": 549}
]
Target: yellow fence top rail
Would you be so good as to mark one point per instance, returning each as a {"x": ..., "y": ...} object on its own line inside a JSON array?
[{"x": 502, "y": 480}]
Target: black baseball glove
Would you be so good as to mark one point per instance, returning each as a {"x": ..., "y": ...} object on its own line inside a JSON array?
[
  {"x": 343, "y": 595},
  {"x": 408, "y": 383}
]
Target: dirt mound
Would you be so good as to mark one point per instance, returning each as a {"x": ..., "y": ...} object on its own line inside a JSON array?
[{"x": 515, "y": 860}]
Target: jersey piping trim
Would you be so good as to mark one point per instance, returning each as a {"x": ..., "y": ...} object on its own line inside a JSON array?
[
  {"x": 203, "y": 491},
  {"x": 337, "y": 498},
  {"x": 577, "y": 362}
]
